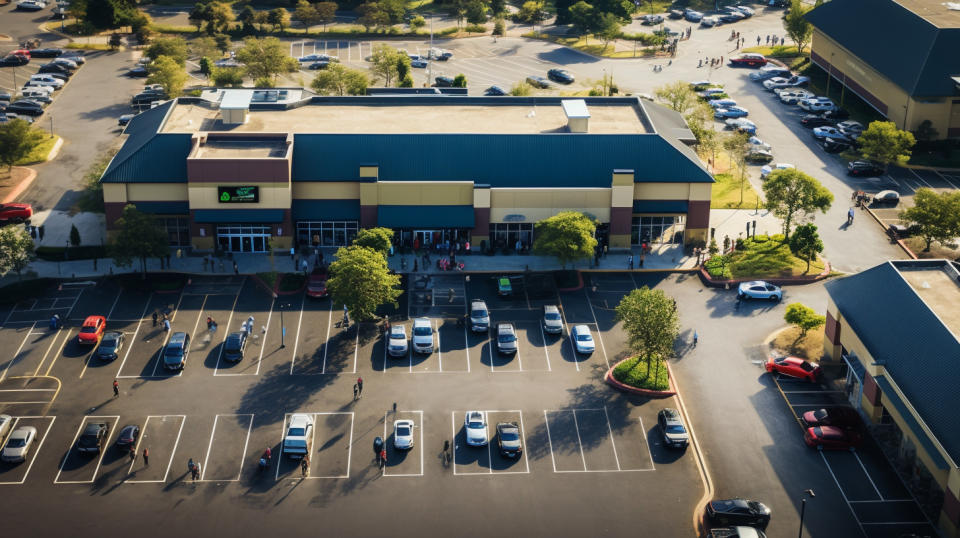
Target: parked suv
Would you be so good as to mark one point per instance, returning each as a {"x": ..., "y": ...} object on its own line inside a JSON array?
[
  {"x": 552, "y": 320},
  {"x": 93, "y": 437},
  {"x": 176, "y": 351},
  {"x": 506, "y": 339},
  {"x": 479, "y": 316},
  {"x": 422, "y": 335}
]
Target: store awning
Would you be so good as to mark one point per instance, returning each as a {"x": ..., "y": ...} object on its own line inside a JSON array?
[
  {"x": 163, "y": 208},
  {"x": 326, "y": 209},
  {"x": 660, "y": 206},
  {"x": 890, "y": 395},
  {"x": 224, "y": 216},
  {"x": 431, "y": 217}
]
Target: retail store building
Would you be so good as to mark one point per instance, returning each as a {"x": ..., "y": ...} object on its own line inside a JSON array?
[
  {"x": 895, "y": 328},
  {"x": 248, "y": 170}
]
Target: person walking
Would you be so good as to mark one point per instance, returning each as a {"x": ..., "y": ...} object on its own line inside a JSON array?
[
  {"x": 292, "y": 252},
  {"x": 850, "y": 216},
  {"x": 383, "y": 457},
  {"x": 166, "y": 325},
  {"x": 155, "y": 316},
  {"x": 132, "y": 454},
  {"x": 355, "y": 392},
  {"x": 196, "y": 471},
  {"x": 359, "y": 387},
  {"x": 304, "y": 466},
  {"x": 695, "y": 338},
  {"x": 758, "y": 41},
  {"x": 236, "y": 268},
  {"x": 116, "y": 388},
  {"x": 191, "y": 466},
  {"x": 146, "y": 457},
  {"x": 630, "y": 261}
]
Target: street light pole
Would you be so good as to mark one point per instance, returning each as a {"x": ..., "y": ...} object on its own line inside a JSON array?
[{"x": 803, "y": 507}]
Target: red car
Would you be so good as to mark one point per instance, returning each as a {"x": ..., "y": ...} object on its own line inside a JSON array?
[
  {"x": 831, "y": 438},
  {"x": 317, "y": 283},
  {"x": 841, "y": 417},
  {"x": 794, "y": 367},
  {"x": 20, "y": 52},
  {"x": 748, "y": 60},
  {"x": 15, "y": 212},
  {"x": 92, "y": 330}
]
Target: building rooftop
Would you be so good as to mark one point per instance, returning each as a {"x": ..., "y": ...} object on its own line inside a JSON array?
[
  {"x": 936, "y": 12},
  {"x": 937, "y": 286},
  {"x": 247, "y": 148},
  {"x": 410, "y": 115}
]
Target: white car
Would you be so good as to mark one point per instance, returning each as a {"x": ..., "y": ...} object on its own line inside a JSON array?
[
  {"x": 851, "y": 128},
  {"x": 582, "y": 339},
  {"x": 475, "y": 425},
  {"x": 298, "y": 439},
  {"x": 67, "y": 62},
  {"x": 759, "y": 289},
  {"x": 793, "y": 97},
  {"x": 403, "y": 434},
  {"x": 422, "y": 335},
  {"x": 397, "y": 341},
  {"x": 829, "y": 132},
  {"x": 785, "y": 82},
  {"x": 506, "y": 339},
  {"x": 35, "y": 88},
  {"x": 757, "y": 144},
  {"x": 769, "y": 169},
  {"x": 552, "y": 319},
  {"x": 18, "y": 444},
  {"x": 46, "y": 80},
  {"x": 817, "y": 104}
]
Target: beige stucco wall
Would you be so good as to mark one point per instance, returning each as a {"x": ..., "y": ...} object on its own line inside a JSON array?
[
  {"x": 272, "y": 196},
  {"x": 481, "y": 198},
  {"x": 322, "y": 190},
  {"x": 426, "y": 193},
  {"x": 672, "y": 191},
  {"x": 159, "y": 192},
  {"x": 370, "y": 171},
  {"x": 114, "y": 192},
  {"x": 539, "y": 204}
]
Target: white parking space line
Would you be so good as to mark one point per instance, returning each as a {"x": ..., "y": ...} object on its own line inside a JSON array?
[
  {"x": 466, "y": 322},
  {"x": 19, "y": 349},
  {"x": 36, "y": 450},
  {"x": 436, "y": 329},
  {"x": 113, "y": 306},
  {"x": 553, "y": 459},
  {"x": 326, "y": 343},
  {"x": 842, "y": 494},
  {"x": 143, "y": 435},
  {"x": 70, "y": 449},
  {"x": 57, "y": 355},
  {"x": 226, "y": 331},
  {"x": 296, "y": 341},
  {"x": 546, "y": 351},
  {"x": 576, "y": 426},
  {"x": 133, "y": 340},
  {"x": 920, "y": 178},
  {"x": 880, "y": 495},
  {"x": 610, "y": 429},
  {"x": 947, "y": 179},
  {"x": 597, "y": 326},
  {"x": 419, "y": 444},
  {"x": 243, "y": 457}
]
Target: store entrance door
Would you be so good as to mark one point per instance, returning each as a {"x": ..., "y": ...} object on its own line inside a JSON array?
[
  {"x": 425, "y": 237},
  {"x": 242, "y": 238}
]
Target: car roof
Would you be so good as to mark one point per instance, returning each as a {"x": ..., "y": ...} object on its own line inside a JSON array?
[
  {"x": 504, "y": 326},
  {"x": 178, "y": 337},
  {"x": 581, "y": 328},
  {"x": 421, "y": 322},
  {"x": 402, "y": 422},
  {"x": 91, "y": 320},
  {"x": 478, "y": 303},
  {"x": 398, "y": 329},
  {"x": 551, "y": 308}
]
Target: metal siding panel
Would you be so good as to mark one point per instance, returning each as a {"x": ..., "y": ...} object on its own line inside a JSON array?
[{"x": 326, "y": 209}]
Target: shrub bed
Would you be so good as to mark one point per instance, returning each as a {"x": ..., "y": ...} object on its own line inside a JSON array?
[
  {"x": 83, "y": 252},
  {"x": 292, "y": 281},
  {"x": 18, "y": 291},
  {"x": 634, "y": 372}
]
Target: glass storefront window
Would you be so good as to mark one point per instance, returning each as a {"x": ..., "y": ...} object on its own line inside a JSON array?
[
  {"x": 243, "y": 238},
  {"x": 177, "y": 230},
  {"x": 506, "y": 234},
  {"x": 326, "y": 233},
  {"x": 657, "y": 230}
]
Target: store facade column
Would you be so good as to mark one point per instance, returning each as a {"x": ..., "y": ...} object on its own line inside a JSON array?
[
  {"x": 621, "y": 208},
  {"x": 369, "y": 194}
]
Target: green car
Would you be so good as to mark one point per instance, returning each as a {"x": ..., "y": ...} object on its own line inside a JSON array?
[{"x": 504, "y": 287}]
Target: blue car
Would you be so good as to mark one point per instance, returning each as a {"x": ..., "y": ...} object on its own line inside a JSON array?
[
  {"x": 731, "y": 112},
  {"x": 418, "y": 63},
  {"x": 722, "y": 103}
]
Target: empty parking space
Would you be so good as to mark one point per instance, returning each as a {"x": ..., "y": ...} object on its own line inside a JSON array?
[
  {"x": 215, "y": 285},
  {"x": 82, "y": 468},
  {"x": 403, "y": 462},
  {"x": 324, "y": 346},
  {"x": 60, "y": 301},
  {"x": 329, "y": 444},
  {"x": 485, "y": 460},
  {"x": 140, "y": 359},
  {"x": 227, "y": 450},
  {"x": 130, "y": 305},
  {"x": 28, "y": 356},
  {"x": 583, "y": 440},
  {"x": 453, "y": 348},
  {"x": 17, "y": 473}
]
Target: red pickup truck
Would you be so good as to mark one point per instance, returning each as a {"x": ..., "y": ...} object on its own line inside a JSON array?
[{"x": 15, "y": 212}]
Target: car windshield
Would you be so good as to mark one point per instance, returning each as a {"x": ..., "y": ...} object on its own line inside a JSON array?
[
  {"x": 551, "y": 316},
  {"x": 507, "y": 337},
  {"x": 88, "y": 329},
  {"x": 475, "y": 423},
  {"x": 676, "y": 429},
  {"x": 297, "y": 432},
  {"x": 509, "y": 435},
  {"x": 820, "y": 414},
  {"x": 806, "y": 366},
  {"x": 174, "y": 351},
  {"x": 479, "y": 313},
  {"x": 108, "y": 342},
  {"x": 584, "y": 337},
  {"x": 16, "y": 443},
  {"x": 422, "y": 331},
  {"x": 403, "y": 431}
]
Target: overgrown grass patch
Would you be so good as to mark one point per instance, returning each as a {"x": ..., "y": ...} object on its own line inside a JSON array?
[
  {"x": 761, "y": 257},
  {"x": 726, "y": 193},
  {"x": 779, "y": 51},
  {"x": 39, "y": 153},
  {"x": 635, "y": 372}
]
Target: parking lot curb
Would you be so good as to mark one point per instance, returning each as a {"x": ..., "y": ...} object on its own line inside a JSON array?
[
  {"x": 578, "y": 287},
  {"x": 22, "y": 186},
  {"x": 623, "y": 387},
  {"x": 903, "y": 246},
  {"x": 716, "y": 283}
]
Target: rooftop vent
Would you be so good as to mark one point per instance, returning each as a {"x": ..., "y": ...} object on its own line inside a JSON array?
[
  {"x": 578, "y": 117},
  {"x": 234, "y": 105}
]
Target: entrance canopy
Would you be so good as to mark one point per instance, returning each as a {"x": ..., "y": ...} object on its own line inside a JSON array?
[{"x": 426, "y": 217}]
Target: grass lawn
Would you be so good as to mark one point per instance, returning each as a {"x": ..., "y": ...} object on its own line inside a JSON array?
[
  {"x": 726, "y": 193},
  {"x": 292, "y": 281},
  {"x": 810, "y": 347},
  {"x": 943, "y": 159},
  {"x": 269, "y": 278},
  {"x": 780, "y": 51},
  {"x": 762, "y": 257},
  {"x": 937, "y": 250},
  {"x": 634, "y": 372},
  {"x": 39, "y": 153}
]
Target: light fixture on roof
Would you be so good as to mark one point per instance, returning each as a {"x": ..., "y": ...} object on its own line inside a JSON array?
[
  {"x": 925, "y": 285},
  {"x": 532, "y": 113}
]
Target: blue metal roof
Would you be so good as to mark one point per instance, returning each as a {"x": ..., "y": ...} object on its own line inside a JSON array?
[
  {"x": 500, "y": 160},
  {"x": 163, "y": 208},
  {"x": 890, "y": 395},
  {"x": 427, "y": 217},
  {"x": 326, "y": 209},
  {"x": 918, "y": 351},
  {"x": 224, "y": 216},
  {"x": 161, "y": 159},
  {"x": 660, "y": 206}
]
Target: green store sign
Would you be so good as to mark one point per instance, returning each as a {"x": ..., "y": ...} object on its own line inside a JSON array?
[{"x": 238, "y": 195}]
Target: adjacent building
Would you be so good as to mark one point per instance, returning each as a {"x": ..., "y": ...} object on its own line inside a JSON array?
[
  {"x": 900, "y": 56},
  {"x": 896, "y": 329},
  {"x": 251, "y": 170}
]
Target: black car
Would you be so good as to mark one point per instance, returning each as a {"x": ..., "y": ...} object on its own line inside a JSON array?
[
  {"x": 45, "y": 53},
  {"x": 508, "y": 439},
  {"x": 25, "y": 107},
  {"x": 320, "y": 64},
  {"x": 675, "y": 14},
  {"x": 125, "y": 119},
  {"x": 727, "y": 18},
  {"x": 560, "y": 75},
  {"x": 176, "y": 351},
  {"x": 444, "y": 82},
  {"x": 93, "y": 437},
  {"x": 838, "y": 114},
  {"x": 145, "y": 99},
  {"x": 733, "y": 512},
  {"x": 812, "y": 120},
  {"x": 128, "y": 436},
  {"x": 110, "y": 346},
  {"x": 55, "y": 70},
  {"x": 495, "y": 91},
  {"x": 4, "y": 96},
  {"x": 138, "y": 72},
  {"x": 865, "y": 169},
  {"x": 234, "y": 346},
  {"x": 834, "y": 146},
  {"x": 14, "y": 60}
]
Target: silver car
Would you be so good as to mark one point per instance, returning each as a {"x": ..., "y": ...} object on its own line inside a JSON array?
[
  {"x": 18, "y": 444},
  {"x": 422, "y": 335},
  {"x": 506, "y": 339},
  {"x": 552, "y": 320},
  {"x": 397, "y": 341},
  {"x": 759, "y": 289}
]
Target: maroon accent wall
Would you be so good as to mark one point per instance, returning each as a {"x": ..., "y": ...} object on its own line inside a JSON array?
[
  {"x": 832, "y": 330},
  {"x": 113, "y": 210},
  {"x": 621, "y": 220},
  {"x": 481, "y": 221},
  {"x": 871, "y": 390},
  {"x": 850, "y": 83},
  {"x": 195, "y": 226},
  {"x": 368, "y": 216},
  {"x": 951, "y": 507},
  {"x": 238, "y": 170},
  {"x": 953, "y": 132},
  {"x": 698, "y": 214}
]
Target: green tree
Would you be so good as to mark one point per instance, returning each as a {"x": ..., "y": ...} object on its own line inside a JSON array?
[
  {"x": 102, "y": 14},
  {"x": 678, "y": 96},
  {"x": 568, "y": 235},
  {"x": 306, "y": 14},
  {"x": 247, "y": 17},
  {"x": 699, "y": 119},
  {"x": 803, "y": 317},
  {"x": 498, "y": 26},
  {"x": 279, "y": 18},
  {"x": 266, "y": 57},
  {"x": 805, "y": 243},
  {"x": 418, "y": 22},
  {"x": 882, "y": 142},
  {"x": 115, "y": 41},
  {"x": 199, "y": 14},
  {"x": 736, "y": 147},
  {"x": 395, "y": 9},
  {"x": 138, "y": 238},
  {"x": 261, "y": 18},
  {"x": 405, "y": 82},
  {"x": 607, "y": 28},
  {"x": 263, "y": 82},
  {"x": 77, "y": 9},
  {"x": 521, "y": 89},
  {"x": 16, "y": 250},
  {"x": 935, "y": 216},
  {"x": 166, "y": 72},
  {"x": 338, "y": 79},
  {"x": 220, "y": 18},
  {"x": 651, "y": 322},
  {"x": 791, "y": 194},
  {"x": 372, "y": 15},
  {"x": 17, "y": 140},
  {"x": 498, "y": 7},
  {"x": 403, "y": 68},
  {"x": 531, "y": 12},
  {"x": 204, "y": 46},
  {"x": 476, "y": 12},
  {"x": 360, "y": 279},
  {"x": 223, "y": 43},
  {"x": 460, "y": 81},
  {"x": 582, "y": 16},
  {"x": 379, "y": 239},
  {"x": 174, "y": 48},
  {"x": 327, "y": 13},
  {"x": 74, "y": 235},
  {"x": 563, "y": 11},
  {"x": 383, "y": 63},
  {"x": 225, "y": 77},
  {"x": 796, "y": 25},
  {"x": 206, "y": 66}
]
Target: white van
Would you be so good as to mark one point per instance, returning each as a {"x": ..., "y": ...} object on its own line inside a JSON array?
[{"x": 46, "y": 80}]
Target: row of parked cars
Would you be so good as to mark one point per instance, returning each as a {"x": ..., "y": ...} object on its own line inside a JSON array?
[{"x": 39, "y": 88}]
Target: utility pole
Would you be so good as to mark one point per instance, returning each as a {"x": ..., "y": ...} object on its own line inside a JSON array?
[{"x": 430, "y": 53}]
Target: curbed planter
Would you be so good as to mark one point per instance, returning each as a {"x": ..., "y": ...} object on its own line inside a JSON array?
[
  {"x": 720, "y": 283},
  {"x": 649, "y": 393},
  {"x": 578, "y": 286}
]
